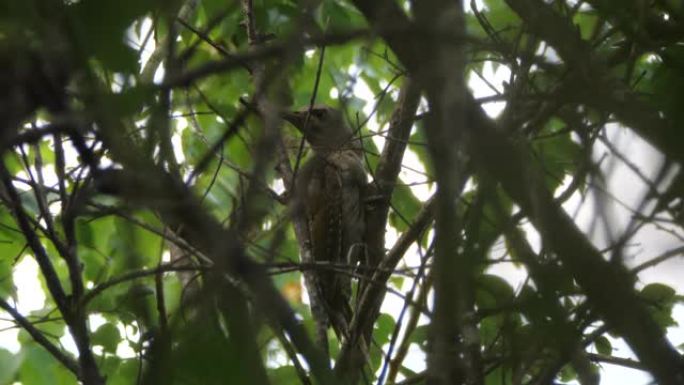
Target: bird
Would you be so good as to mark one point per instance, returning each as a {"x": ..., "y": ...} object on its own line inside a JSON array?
[{"x": 329, "y": 188}]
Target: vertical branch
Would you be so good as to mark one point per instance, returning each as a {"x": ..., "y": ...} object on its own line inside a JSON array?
[
  {"x": 312, "y": 101},
  {"x": 414, "y": 316},
  {"x": 265, "y": 78},
  {"x": 250, "y": 23},
  {"x": 370, "y": 296},
  {"x": 412, "y": 321},
  {"x": 163, "y": 120},
  {"x": 388, "y": 168},
  {"x": 454, "y": 356},
  {"x": 39, "y": 188},
  {"x": 158, "y": 370}
]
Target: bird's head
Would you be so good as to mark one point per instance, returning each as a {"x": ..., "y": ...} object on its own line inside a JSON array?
[{"x": 326, "y": 128}]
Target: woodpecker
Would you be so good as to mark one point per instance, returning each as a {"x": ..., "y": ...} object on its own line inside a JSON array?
[{"x": 329, "y": 189}]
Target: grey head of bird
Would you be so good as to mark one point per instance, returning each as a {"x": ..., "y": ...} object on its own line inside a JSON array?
[{"x": 326, "y": 128}]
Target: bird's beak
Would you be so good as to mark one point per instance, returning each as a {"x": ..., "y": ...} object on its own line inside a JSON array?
[{"x": 296, "y": 118}]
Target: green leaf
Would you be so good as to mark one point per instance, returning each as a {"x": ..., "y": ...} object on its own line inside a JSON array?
[
  {"x": 107, "y": 336},
  {"x": 215, "y": 7},
  {"x": 558, "y": 155},
  {"x": 660, "y": 299},
  {"x": 121, "y": 372},
  {"x": 93, "y": 238},
  {"x": 568, "y": 373},
  {"x": 108, "y": 301},
  {"x": 134, "y": 247},
  {"x": 498, "y": 376},
  {"x": 47, "y": 154},
  {"x": 370, "y": 149},
  {"x": 658, "y": 293},
  {"x": 285, "y": 375},
  {"x": 419, "y": 336},
  {"x": 405, "y": 206},
  {"x": 384, "y": 326},
  {"x": 586, "y": 23},
  {"x": 29, "y": 202},
  {"x": 302, "y": 83},
  {"x": 7, "y": 288},
  {"x": 12, "y": 162},
  {"x": 138, "y": 302},
  {"x": 193, "y": 147},
  {"x": 497, "y": 287},
  {"x": 131, "y": 100},
  {"x": 40, "y": 368},
  {"x": 173, "y": 289},
  {"x": 664, "y": 89},
  {"x": 206, "y": 355},
  {"x": 490, "y": 222},
  {"x": 603, "y": 346},
  {"x": 489, "y": 330},
  {"x": 418, "y": 144},
  {"x": 337, "y": 15},
  {"x": 51, "y": 326},
  {"x": 237, "y": 151},
  {"x": 9, "y": 365},
  {"x": 100, "y": 26},
  {"x": 501, "y": 18}
]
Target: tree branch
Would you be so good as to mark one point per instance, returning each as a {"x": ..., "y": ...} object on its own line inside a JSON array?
[
  {"x": 38, "y": 336},
  {"x": 387, "y": 171},
  {"x": 609, "y": 288},
  {"x": 594, "y": 85}
]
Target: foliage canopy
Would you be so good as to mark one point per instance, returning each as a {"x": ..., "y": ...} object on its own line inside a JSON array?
[{"x": 148, "y": 174}]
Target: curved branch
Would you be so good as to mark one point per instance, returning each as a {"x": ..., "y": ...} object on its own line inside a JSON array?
[{"x": 38, "y": 336}]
